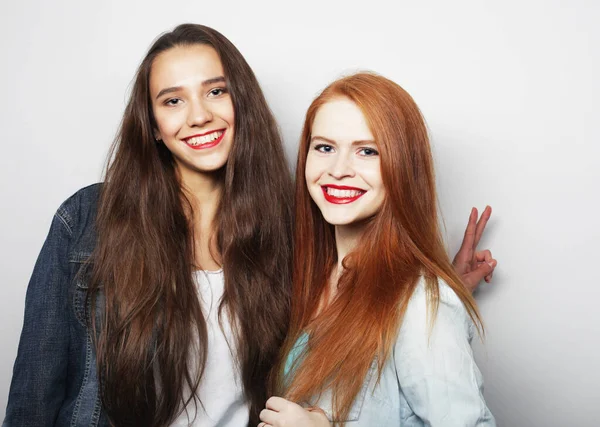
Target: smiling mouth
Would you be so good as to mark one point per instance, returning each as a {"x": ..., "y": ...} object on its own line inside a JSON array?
[
  {"x": 341, "y": 195},
  {"x": 207, "y": 140}
]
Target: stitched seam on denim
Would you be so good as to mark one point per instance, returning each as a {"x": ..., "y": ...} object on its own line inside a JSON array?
[
  {"x": 78, "y": 306},
  {"x": 79, "y": 257},
  {"x": 88, "y": 356},
  {"x": 65, "y": 218},
  {"x": 96, "y": 413},
  {"x": 359, "y": 401},
  {"x": 98, "y": 402}
]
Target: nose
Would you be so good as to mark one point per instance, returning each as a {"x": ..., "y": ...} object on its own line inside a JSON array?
[
  {"x": 198, "y": 114},
  {"x": 341, "y": 166}
]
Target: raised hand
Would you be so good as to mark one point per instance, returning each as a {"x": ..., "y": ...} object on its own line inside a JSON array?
[
  {"x": 473, "y": 266},
  {"x": 280, "y": 412}
]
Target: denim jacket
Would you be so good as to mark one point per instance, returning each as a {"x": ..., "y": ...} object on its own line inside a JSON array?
[
  {"x": 430, "y": 379},
  {"x": 54, "y": 379}
]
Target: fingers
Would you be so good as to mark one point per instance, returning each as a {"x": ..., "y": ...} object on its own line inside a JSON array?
[
  {"x": 470, "y": 231},
  {"x": 267, "y": 417},
  {"x": 486, "y": 268},
  {"x": 485, "y": 216},
  {"x": 483, "y": 270},
  {"x": 484, "y": 256},
  {"x": 273, "y": 407},
  {"x": 264, "y": 425},
  {"x": 493, "y": 263},
  {"x": 316, "y": 409},
  {"x": 276, "y": 404},
  {"x": 463, "y": 257}
]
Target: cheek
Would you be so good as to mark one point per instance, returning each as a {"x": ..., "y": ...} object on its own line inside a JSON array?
[
  {"x": 315, "y": 168},
  {"x": 168, "y": 124},
  {"x": 380, "y": 190},
  {"x": 226, "y": 112},
  {"x": 372, "y": 174},
  {"x": 309, "y": 170}
]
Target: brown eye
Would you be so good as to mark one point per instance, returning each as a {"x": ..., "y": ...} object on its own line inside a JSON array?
[
  {"x": 216, "y": 92},
  {"x": 173, "y": 101}
]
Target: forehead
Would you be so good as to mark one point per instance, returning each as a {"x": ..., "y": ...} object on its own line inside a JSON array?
[
  {"x": 184, "y": 66},
  {"x": 341, "y": 120}
]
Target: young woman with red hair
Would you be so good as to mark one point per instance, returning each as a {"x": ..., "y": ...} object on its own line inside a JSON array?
[{"x": 381, "y": 322}]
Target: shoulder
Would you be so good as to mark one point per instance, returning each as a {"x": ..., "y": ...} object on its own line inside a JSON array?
[
  {"x": 79, "y": 207},
  {"x": 77, "y": 216},
  {"x": 423, "y": 315},
  {"x": 448, "y": 300}
]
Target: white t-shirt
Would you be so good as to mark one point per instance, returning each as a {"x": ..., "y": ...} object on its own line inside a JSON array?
[{"x": 220, "y": 389}]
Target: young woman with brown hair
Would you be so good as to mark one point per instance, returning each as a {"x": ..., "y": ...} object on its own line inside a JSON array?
[
  {"x": 381, "y": 323},
  {"x": 161, "y": 297},
  {"x": 198, "y": 180}
]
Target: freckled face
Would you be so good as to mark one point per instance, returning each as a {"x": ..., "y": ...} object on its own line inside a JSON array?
[
  {"x": 342, "y": 171},
  {"x": 192, "y": 108}
]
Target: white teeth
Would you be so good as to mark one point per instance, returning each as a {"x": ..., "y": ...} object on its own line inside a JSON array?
[
  {"x": 343, "y": 194},
  {"x": 198, "y": 140}
]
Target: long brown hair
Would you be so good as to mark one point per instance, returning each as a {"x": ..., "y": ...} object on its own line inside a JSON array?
[
  {"x": 401, "y": 243},
  {"x": 143, "y": 262}
]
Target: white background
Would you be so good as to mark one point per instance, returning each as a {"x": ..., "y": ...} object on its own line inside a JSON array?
[{"x": 509, "y": 89}]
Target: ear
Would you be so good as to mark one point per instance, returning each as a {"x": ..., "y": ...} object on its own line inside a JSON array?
[{"x": 157, "y": 136}]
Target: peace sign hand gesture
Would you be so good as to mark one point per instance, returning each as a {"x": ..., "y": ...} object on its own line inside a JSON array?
[{"x": 473, "y": 266}]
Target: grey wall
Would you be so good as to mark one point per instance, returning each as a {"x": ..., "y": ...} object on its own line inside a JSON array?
[{"x": 510, "y": 91}]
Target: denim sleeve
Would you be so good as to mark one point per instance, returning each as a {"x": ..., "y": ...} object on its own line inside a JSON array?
[
  {"x": 436, "y": 369},
  {"x": 39, "y": 376}
]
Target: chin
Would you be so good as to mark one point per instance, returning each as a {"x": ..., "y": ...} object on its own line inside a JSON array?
[
  {"x": 340, "y": 221},
  {"x": 211, "y": 167}
]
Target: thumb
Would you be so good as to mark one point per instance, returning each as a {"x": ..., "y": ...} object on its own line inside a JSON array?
[{"x": 472, "y": 279}]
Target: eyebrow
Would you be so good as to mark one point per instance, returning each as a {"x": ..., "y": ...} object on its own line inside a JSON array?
[
  {"x": 220, "y": 79},
  {"x": 331, "y": 141}
]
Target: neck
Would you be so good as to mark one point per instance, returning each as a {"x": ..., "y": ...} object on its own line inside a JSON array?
[
  {"x": 201, "y": 186},
  {"x": 346, "y": 239},
  {"x": 204, "y": 194}
]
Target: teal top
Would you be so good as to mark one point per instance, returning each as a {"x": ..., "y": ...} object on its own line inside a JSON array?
[
  {"x": 430, "y": 379},
  {"x": 295, "y": 353}
]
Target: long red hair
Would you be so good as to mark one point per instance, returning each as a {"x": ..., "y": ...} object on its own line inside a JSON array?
[{"x": 401, "y": 243}]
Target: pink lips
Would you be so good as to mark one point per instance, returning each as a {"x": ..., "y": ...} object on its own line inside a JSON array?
[
  {"x": 208, "y": 144},
  {"x": 341, "y": 200}
]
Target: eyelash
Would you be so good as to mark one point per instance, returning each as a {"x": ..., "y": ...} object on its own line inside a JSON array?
[
  {"x": 171, "y": 102},
  {"x": 319, "y": 147},
  {"x": 373, "y": 152},
  {"x": 222, "y": 91}
]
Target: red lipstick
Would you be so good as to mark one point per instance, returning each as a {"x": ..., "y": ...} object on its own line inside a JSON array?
[
  {"x": 341, "y": 200},
  {"x": 207, "y": 144}
]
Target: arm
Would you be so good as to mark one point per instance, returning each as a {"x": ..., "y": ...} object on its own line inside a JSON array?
[
  {"x": 39, "y": 376},
  {"x": 437, "y": 372}
]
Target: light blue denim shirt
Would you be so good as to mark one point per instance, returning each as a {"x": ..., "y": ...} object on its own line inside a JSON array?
[{"x": 431, "y": 378}]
